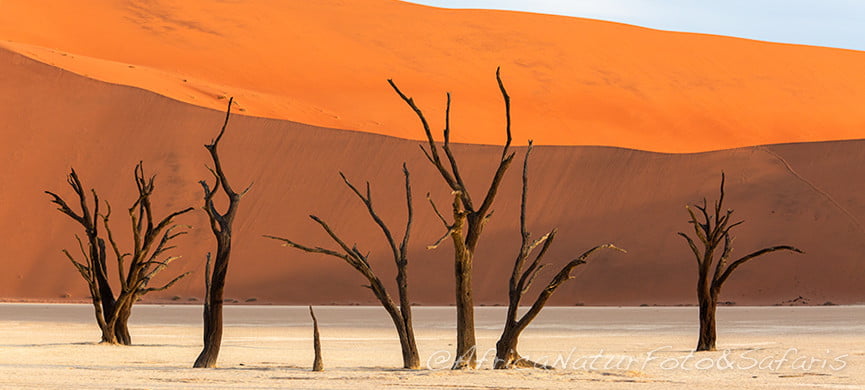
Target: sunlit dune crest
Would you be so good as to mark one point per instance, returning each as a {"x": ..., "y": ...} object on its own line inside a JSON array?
[{"x": 573, "y": 81}]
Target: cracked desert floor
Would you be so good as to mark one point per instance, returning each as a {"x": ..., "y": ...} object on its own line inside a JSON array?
[{"x": 49, "y": 346}]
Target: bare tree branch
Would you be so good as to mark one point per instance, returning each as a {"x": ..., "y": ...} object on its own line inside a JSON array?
[
  {"x": 292, "y": 244},
  {"x": 401, "y": 315},
  {"x": 433, "y": 149},
  {"x": 523, "y": 277},
  {"x": 367, "y": 201},
  {"x": 751, "y": 256},
  {"x": 82, "y": 269},
  {"x": 436, "y": 210},
  {"x": 169, "y": 284},
  {"x": 403, "y": 247},
  {"x": 507, "y": 100},
  {"x": 693, "y": 248},
  {"x": 451, "y": 159},
  {"x": 563, "y": 275},
  {"x": 441, "y": 239}
]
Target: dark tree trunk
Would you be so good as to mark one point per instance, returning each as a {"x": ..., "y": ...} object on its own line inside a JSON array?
[
  {"x": 213, "y": 308},
  {"x": 106, "y": 296},
  {"x": 109, "y": 336},
  {"x": 708, "y": 305},
  {"x": 506, "y": 351},
  {"x": 100, "y": 315},
  {"x": 212, "y": 335},
  {"x": 317, "y": 363},
  {"x": 220, "y": 225},
  {"x": 109, "y": 329},
  {"x": 466, "y": 352},
  {"x": 120, "y": 321},
  {"x": 404, "y": 330},
  {"x": 121, "y": 331},
  {"x": 410, "y": 355},
  {"x": 506, "y": 348},
  {"x": 408, "y": 345}
]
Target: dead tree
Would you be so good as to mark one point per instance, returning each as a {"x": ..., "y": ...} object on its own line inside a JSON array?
[
  {"x": 151, "y": 239},
  {"x": 220, "y": 224},
  {"x": 93, "y": 270},
  {"x": 400, "y": 315},
  {"x": 317, "y": 364},
  {"x": 522, "y": 277},
  {"x": 469, "y": 219},
  {"x": 712, "y": 232}
]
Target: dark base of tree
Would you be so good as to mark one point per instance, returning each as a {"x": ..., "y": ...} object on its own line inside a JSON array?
[
  {"x": 121, "y": 329},
  {"x": 507, "y": 356},
  {"x": 207, "y": 358},
  {"x": 508, "y": 359},
  {"x": 122, "y": 334},
  {"x": 514, "y": 360},
  {"x": 410, "y": 358},
  {"x": 468, "y": 362},
  {"x": 118, "y": 336},
  {"x": 317, "y": 362},
  {"x": 705, "y": 345},
  {"x": 708, "y": 333},
  {"x": 466, "y": 353},
  {"x": 210, "y": 353},
  {"x": 706, "y": 341},
  {"x": 401, "y": 317},
  {"x": 212, "y": 335}
]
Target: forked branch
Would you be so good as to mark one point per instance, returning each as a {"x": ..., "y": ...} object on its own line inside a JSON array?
[
  {"x": 522, "y": 278},
  {"x": 401, "y": 315}
]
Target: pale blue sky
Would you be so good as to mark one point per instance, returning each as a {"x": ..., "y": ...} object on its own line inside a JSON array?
[{"x": 833, "y": 23}]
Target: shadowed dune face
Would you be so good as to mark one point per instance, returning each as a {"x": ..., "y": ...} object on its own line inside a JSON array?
[
  {"x": 796, "y": 194},
  {"x": 574, "y": 81}
]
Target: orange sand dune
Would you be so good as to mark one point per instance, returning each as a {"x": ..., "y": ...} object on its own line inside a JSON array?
[
  {"x": 51, "y": 119},
  {"x": 573, "y": 81}
]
